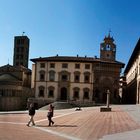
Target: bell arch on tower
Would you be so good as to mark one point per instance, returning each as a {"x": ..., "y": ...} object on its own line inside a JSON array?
[{"x": 108, "y": 49}]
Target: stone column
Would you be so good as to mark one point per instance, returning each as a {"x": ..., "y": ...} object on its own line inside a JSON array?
[
  {"x": 108, "y": 98},
  {"x": 103, "y": 109}
]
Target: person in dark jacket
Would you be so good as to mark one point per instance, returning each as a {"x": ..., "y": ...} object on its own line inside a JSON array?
[
  {"x": 50, "y": 114},
  {"x": 31, "y": 114}
]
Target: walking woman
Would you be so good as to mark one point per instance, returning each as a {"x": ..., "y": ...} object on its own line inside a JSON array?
[
  {"x": 31, "y": 113},
  {"x": 50, "y": 114}
]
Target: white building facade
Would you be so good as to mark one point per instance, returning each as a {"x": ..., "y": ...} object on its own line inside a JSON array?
[{"x": 63, "y": 80}]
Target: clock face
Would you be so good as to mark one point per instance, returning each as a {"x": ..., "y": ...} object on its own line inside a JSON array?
[{"x": 108, "y": 47}]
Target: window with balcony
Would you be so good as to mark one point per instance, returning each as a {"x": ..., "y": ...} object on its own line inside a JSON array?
[
  {"x": 51, "y": 75},
  {"x": 86, "y": 77},
  {"x": 77, "y": 77},
  {"x": 42, "y": 75},
  {"x": 64, "y": 77}
]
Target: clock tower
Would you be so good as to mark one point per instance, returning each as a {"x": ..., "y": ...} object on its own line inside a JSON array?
[{"x": 108, "y": 49}]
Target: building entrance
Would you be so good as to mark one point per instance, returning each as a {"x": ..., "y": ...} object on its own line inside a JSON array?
[{"x": 63, "y": 95}]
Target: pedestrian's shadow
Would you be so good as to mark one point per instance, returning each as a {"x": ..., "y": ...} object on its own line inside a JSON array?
[{"x": 57, "y": 125}]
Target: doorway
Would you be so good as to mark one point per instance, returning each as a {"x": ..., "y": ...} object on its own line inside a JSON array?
[{"x": 63, "y": 95}]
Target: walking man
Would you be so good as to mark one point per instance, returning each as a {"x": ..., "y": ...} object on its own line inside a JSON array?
[{"x": 31, "y": 114}]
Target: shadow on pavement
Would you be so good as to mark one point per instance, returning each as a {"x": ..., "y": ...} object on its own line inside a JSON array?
[{"x": 57, "y": 126}]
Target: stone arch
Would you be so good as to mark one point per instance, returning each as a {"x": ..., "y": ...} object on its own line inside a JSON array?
[
  {"x": 106, "y": 84},
  {"x": 64, "y": 76}
]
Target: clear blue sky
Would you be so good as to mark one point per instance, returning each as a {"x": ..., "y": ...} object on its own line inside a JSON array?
[{"x": 69, "y": 27}]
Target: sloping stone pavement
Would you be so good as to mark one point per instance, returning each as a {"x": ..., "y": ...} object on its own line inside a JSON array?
[{"x": 89, "y": 124}]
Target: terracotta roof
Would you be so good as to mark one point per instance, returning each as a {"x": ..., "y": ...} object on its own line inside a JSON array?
[{"x": 73, "y": 59}]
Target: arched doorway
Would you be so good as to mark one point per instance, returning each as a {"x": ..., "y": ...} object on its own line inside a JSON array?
[
  {"x": 106, "y": 83},
  {"x": 63, "y": 95}
]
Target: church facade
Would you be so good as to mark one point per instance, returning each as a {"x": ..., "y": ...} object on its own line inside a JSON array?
[
  {"x": 15, "y": 83},
  {"x": 15, "y": 80},
  {"x": 79, "y": 79}
]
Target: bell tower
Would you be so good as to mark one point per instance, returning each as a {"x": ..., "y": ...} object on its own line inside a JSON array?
[
  {"x": 108, "y": 49},
  {"x": 21, "y": 51}
]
